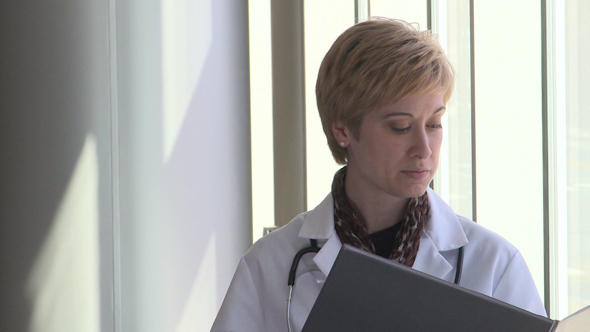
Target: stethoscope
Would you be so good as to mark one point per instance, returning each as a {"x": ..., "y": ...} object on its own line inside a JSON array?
[{"x": 314, "y": 248}]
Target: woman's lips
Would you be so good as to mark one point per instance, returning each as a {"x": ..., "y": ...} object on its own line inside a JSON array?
[{"x": 418, "y": 175}]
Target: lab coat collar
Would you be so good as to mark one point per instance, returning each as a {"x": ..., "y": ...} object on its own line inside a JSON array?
[
  {"x": 319, "y": 224},
  {"x": 443, "y": 226},
  {"x": 442, "y": 232}
]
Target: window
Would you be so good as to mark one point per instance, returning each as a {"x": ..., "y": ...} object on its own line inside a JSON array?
[{"x": 516, "y": 155}]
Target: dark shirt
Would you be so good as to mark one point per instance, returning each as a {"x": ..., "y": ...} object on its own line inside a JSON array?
[{"x": 383, "y": 240}]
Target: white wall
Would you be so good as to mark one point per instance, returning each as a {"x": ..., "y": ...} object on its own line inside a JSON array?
[
  {"x": 185, "y": 188},
  {"x": 131, "y": 114}
]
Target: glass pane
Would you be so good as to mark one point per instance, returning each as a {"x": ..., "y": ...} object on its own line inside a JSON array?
[
  {"x": 508, "y": 115},
  {"x": 577, "y": 101},
  {"x": 569, "y": 155},
  {"x": 451, "y": 21},
  {"x": 261, "y": 117},
  {"x": 407, "y": 10}
]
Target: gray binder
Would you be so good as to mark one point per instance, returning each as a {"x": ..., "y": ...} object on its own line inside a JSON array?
[{"x": 364, "y": 292}]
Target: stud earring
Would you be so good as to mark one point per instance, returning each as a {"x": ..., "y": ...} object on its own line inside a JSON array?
[{"x": 342, "y": 144}]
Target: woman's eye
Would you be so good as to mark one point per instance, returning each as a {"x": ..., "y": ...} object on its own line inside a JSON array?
[
  {"x": 436, "y": 126},
  {"x": 400, "y": 130}
]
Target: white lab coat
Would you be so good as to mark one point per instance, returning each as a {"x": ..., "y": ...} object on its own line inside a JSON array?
[{"x": 256, "y": 299}]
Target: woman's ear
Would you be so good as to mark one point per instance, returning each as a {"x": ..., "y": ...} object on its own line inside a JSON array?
[{"x": 341, "y": 133}]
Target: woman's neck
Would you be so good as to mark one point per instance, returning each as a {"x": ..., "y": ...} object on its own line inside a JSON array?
[{"x": 379, "y": 209}]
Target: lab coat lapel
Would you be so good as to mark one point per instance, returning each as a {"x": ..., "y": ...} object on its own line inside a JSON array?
[
  {"x": 442, "y": 232},
  {"x": 429, "y": 259},
  {"x": 319, "y": 224},
  {"x": 327, "y": 255}
]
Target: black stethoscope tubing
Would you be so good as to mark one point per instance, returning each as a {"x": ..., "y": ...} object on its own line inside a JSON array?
[
  {"x": 312, "y": 248},
  {"x": 291, "y": 282},
  {"x": 459, "y": 270}
]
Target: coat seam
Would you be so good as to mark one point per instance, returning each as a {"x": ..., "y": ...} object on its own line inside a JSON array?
[{"x": 504, "y": 273}]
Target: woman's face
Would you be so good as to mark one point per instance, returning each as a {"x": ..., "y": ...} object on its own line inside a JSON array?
[{"x": 398, "y": 147}]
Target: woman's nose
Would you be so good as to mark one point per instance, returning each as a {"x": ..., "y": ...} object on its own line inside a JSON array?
[{"x": 420, "y": 145}]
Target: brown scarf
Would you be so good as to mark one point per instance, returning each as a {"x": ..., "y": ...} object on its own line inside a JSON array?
[{"x": 351, "y": 226}]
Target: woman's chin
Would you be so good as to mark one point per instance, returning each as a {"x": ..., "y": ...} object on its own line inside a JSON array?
[
  {"x": 407, "y": 193},
  {"x": 415, "y": 191}
]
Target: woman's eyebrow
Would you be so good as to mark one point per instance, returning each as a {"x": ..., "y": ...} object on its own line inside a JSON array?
[{"x": 398, "y": 114}]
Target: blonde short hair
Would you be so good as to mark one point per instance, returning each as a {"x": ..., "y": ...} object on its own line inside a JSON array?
[{"x": 375, "y": 63}]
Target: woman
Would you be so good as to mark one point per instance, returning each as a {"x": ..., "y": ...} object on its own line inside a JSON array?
[{"x": 381, "y": 92}]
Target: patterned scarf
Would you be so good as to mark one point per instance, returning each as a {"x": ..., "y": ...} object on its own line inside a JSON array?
[{"x": 351, "y": 226}]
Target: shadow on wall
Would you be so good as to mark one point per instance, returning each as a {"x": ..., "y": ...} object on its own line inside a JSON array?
[{"x": 55, "y": 173}]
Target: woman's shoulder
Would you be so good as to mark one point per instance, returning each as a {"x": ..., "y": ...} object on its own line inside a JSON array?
[
  {"x": 295, "y": 235},
  {"x": 281, "y": 241},
  {"x": 486, "y": 241},
  {"x": 495, "y": 267}
]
